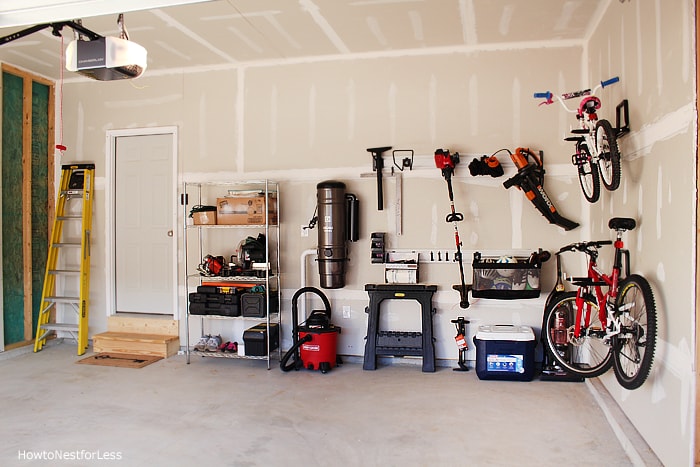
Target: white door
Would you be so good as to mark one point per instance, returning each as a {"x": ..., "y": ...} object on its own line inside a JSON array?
[{"x": 143, "y": 233}]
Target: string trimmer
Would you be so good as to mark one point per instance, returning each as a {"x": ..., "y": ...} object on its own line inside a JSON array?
[{"x": 446, "y": 163}]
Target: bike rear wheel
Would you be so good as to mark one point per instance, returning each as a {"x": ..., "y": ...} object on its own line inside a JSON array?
[
  {"x": 633, "y": 348},
  {"x": 587, "y": 173},
  {"x": 608, "y": 155},
  {"x": 586, "y": 355}
]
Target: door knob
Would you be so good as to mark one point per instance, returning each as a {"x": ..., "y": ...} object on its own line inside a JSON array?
[{"x": 170, "y": 233}]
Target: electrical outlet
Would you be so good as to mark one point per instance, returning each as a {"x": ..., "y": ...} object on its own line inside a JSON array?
[
  {"x": 304, "y": 231},
  {"x": 347, "y": 312}
]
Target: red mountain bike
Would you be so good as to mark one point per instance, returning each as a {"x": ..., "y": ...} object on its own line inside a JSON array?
[
  {"x": 589, "y": 330},
  {"x": 597, "y": 155}
]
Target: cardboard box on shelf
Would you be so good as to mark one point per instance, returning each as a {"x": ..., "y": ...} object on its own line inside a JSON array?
[
  {"x": 246, "y": 210},
  {"x": 204, "y": 218}
]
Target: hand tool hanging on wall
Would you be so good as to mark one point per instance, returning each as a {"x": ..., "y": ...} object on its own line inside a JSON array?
[
  {"x": 530, "y": 179},
  {"x": 378, "y": 166},
  {"x": 446, "y": 163},
  {"x": 405, "y": 162}
]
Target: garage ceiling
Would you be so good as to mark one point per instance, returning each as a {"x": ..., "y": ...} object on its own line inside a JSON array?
[{"x": 226, "y": 33}]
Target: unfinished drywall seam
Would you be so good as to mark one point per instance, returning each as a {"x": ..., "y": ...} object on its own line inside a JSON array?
[
  {"x": 312, "y": 116},
  {"x": 374, "y": 55},
  {"x": 376, "y": 31},
  {"x": 474, "y": 105},
  {"x": 506, "y": 17},
  {"x": 516, "y": 113},
  {"x": 391, "y": 102},
  {"x": 516, "y": 213},
  {"x": 416, "y": 25},
  {"x": 640, "y": 143},
  {"x": 640, "y": 53},
  {"x": 80, "y": 136},
  {"x": 352, "y": 109},
  {"x": 240, "y": 120},
  {"x": 432, "y": 108},
  {"x": 468, "y": 19},
  {"x": 597, "y": 17},
  {"x": 659, "y": 200},
  {"x": 657, "y": 55},
  {"x": 172, "y": 22},
  {"x": 202, "y": 136},
  {"x": 621, "y": 41},
  {"x": 273, "y": 119},
  {"x": 312, "y": 9},
  {"x": 686, "y": 40}
]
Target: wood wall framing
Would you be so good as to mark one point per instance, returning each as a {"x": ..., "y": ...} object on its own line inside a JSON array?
[{"x": 27, "y": 197}]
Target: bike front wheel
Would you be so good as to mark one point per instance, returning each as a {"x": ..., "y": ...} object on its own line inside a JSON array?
[
  {"x": 633, "y": 348},
  {"x": 587, "y": 173},
  {"x": 608, "y": 155},
  {"x": 586, "y": 355}
]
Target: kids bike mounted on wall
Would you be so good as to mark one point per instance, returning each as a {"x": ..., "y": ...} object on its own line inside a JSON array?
[{"x": 597, "y": 154}]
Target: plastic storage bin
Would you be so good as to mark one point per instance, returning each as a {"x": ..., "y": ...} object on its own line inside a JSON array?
[{"x": 505, "y": 352}]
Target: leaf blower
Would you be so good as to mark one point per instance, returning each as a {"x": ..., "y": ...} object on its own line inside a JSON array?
[
  {"x": 315, "y": 340},
  {"x": 446, "y": 162},
  {"x": 530, "y": 179}
]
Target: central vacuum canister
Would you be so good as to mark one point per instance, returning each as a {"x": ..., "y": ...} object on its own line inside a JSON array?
[{"x": 330, "y": 197}]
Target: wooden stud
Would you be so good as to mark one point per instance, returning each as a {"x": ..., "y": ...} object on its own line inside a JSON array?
[
  {"x": 27, "y": 204},
  {"x": 28, "y": 79}
]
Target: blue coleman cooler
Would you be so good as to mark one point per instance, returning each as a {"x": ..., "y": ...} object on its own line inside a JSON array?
[{"x": 505, "y": 352}]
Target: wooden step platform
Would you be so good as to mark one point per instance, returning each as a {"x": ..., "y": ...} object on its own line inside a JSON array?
[{"x": 141, "y": 336}]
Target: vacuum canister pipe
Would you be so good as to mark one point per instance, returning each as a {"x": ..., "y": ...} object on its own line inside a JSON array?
[{"x": 330, "y": 197}]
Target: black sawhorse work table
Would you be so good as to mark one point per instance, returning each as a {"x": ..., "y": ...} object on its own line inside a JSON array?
[{"x": 394, "y": 343}]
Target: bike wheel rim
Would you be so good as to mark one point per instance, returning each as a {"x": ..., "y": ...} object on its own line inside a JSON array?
[{"x": 587, "y": 355}]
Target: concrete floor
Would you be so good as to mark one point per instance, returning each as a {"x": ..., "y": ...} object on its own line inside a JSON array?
[{"x": 235, "y": 412}]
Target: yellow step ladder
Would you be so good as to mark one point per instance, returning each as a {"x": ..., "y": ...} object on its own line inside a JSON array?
[{"x": 63, "y": 266}]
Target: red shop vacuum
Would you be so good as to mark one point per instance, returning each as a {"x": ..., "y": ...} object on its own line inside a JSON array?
[{"x": 315, "y": 340}]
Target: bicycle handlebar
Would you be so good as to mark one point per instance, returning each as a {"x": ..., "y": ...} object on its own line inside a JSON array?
[
  {"x": 548, "y": 95},
  {"x": 584, "y": 246},
  {"x": 612, "y": 80}
]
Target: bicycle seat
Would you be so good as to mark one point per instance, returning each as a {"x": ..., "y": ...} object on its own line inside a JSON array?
[{"x": 622, "y": 223}]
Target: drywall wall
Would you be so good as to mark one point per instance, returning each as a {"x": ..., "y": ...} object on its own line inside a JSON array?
[
  {"x": 651, "y": 47},
  {"x": 304, "y": 123},
  {"x": 301, "y": 123}
]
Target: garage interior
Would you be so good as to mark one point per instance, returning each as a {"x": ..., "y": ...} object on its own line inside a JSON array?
[{"x": 296, "y": 93}]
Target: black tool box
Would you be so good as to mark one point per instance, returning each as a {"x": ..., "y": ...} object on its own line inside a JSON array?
[
  {"x": 255, "y": 339},
  {"x": 216, "y": 303},
  {"x": 254, "y": 305}
]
